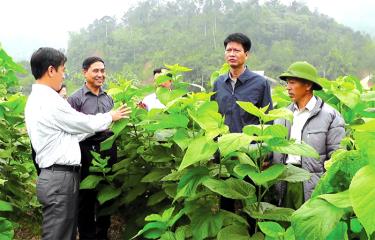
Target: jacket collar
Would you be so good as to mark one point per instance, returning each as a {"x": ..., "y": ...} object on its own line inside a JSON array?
[{"x": 246, "y": 75}]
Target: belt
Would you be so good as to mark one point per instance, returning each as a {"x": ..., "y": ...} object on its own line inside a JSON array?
[
  {"x": 69, "y": 168},
  {"x": 297, "y": 165}
]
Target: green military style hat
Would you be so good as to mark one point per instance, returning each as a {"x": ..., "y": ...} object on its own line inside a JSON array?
[{"x": 302, "y": 70}]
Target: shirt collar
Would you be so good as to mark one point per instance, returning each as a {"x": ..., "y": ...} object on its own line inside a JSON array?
[
  {"x": 309, "y": 106},
  {"x": 43, "y": 87},
  {"x": 87, "y": 90},
  {"x": 242, "y": 78}
]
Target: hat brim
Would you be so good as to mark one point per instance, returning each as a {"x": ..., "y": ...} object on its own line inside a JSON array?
[{"x": 286, "y": 75}]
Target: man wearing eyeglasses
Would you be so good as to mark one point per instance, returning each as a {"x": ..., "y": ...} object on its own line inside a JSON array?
[{"x": 240, "y": 84}]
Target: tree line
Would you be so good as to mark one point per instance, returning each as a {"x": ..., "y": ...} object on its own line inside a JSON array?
[{"x": 191, "y": 32}]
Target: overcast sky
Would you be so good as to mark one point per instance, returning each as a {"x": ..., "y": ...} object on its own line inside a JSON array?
[{"x": 26, "y": 25}]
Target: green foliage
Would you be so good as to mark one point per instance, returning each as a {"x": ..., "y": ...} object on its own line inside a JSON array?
[
  {"x": 200, "y": 149},
  {"x": 90, "y": 182},
  {"x": 361, "y": 194},
  {"x": 322, "y": 216},
  {"x": 234, "y": 232},
  {"x": 205, "y": 223},
  {"x": 6, "y": 229},
  {"x": 17, "y": 173},
  {"x": 231, "y": 188},
  {"x": 153, "y": 32},
  {"x": 267, "y": 211},
  {"x": 343, "y": 165}
]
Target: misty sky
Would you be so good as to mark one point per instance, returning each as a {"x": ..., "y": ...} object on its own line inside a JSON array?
[{"x": 26, "y": 25}]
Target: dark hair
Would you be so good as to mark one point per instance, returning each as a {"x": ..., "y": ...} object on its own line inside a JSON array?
[
  {"x": 239, "y": 38},
  {"x": 43, "y": 58},
  {"x": 90, "y": 60},
  {"x": 159, "y": 70}
]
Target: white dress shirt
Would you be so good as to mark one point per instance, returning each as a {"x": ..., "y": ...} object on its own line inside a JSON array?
[
  {"x": 152, "y": 102},
  {"x": 300, "y": 117},
  {"x": 55, "y": 128}
]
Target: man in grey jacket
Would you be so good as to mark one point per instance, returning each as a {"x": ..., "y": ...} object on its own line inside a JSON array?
[{"x": 315, "y": 123}]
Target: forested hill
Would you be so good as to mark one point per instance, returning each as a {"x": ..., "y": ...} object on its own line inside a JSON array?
[{"x": 191, "y": 33}]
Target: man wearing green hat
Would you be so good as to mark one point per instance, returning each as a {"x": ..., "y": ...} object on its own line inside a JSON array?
[{"x": 315, "y": 123}]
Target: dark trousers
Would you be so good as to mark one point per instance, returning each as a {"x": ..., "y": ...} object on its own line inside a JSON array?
[
  {"x": 57, "y": 191},
  {"x": 90, "y": 224}
]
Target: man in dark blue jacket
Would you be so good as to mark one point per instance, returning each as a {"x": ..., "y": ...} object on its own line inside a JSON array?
[{"x": 240, "y": 84}]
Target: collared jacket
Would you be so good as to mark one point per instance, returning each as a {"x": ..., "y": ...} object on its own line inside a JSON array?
[
  {"x": 250, "y": 87},
  {"x": 323, "y": 130}
]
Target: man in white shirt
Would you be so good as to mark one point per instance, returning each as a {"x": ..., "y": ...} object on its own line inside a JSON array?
[
  {"x": 55, "y": 130},
  {"x": 315, "y": 123},
  {"x": 151, "y": 101}
]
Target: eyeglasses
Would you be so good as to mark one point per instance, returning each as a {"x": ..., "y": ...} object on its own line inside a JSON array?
[{"x": 235, "y": 51}]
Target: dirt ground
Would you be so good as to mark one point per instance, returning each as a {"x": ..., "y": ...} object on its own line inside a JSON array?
[{"x": 29, "y": 231}]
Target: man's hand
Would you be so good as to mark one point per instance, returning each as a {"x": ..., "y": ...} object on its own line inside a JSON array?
[{"x": 120, "y": 113}]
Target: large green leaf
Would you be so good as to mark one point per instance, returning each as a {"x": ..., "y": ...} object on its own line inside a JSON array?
[
  {"x": 365, "y": 140},
  {"x": 269, "y": 212},
  {"x": 233, "y": 141},
  {"x": 176, "y": 68},
  {"x": 134, "y": 193},
  {"x": 349, "y": 97},
  {"x": 90, "y": 182},
  {"x": 252, "y": 109},
  {"x": 155, "y": 175},
  {"x": 152, "y": 230},
  {"x": 205, "y": 223},
  {"x": 237, "y": 232},
  {"x": 163, "y": 121},
  {"x": 207, "y": 116},
  {"x": 5, "y": 206},
  {"x": 276, "y": 130},
  {"x": 174, "y": 175},
  {"x": 263, "y": 177},
  {"x": 283, "y": 113},
  {"x": 294, "y": 174},
  {"x": 200, "y": 149},
  {"x": 243, "y": 158},
  {"x": 168, "y": 236},
  {"x": 6, "y": 229},
  {"x": 257, "y": 236},
  {"x": 231, "y": 188},
  {"x": 355, "y": 225},
  {"x": 340, "y": 200},
  {"x": 362, "y": 195},
  {"x": 116, "y": 128},
  {"x": 190, "y": 181},
  {"x": 107, "y": 193},
  {"x": 343, "y": 166},
  {"x": 243, "y": 169},
  {"x": 291, "y": 147},
  {"x": 316, "y": 219},
  {"x": 339, "y": 232},
  {"x": 156, "y": 198},
  {"x": 181, "y": 138},
  {"x": 272, "y": 114},
  {"x": 166, "y": 96},
  {"x": 233, "y": 218},
  {"x": 271, "y": 229}
]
